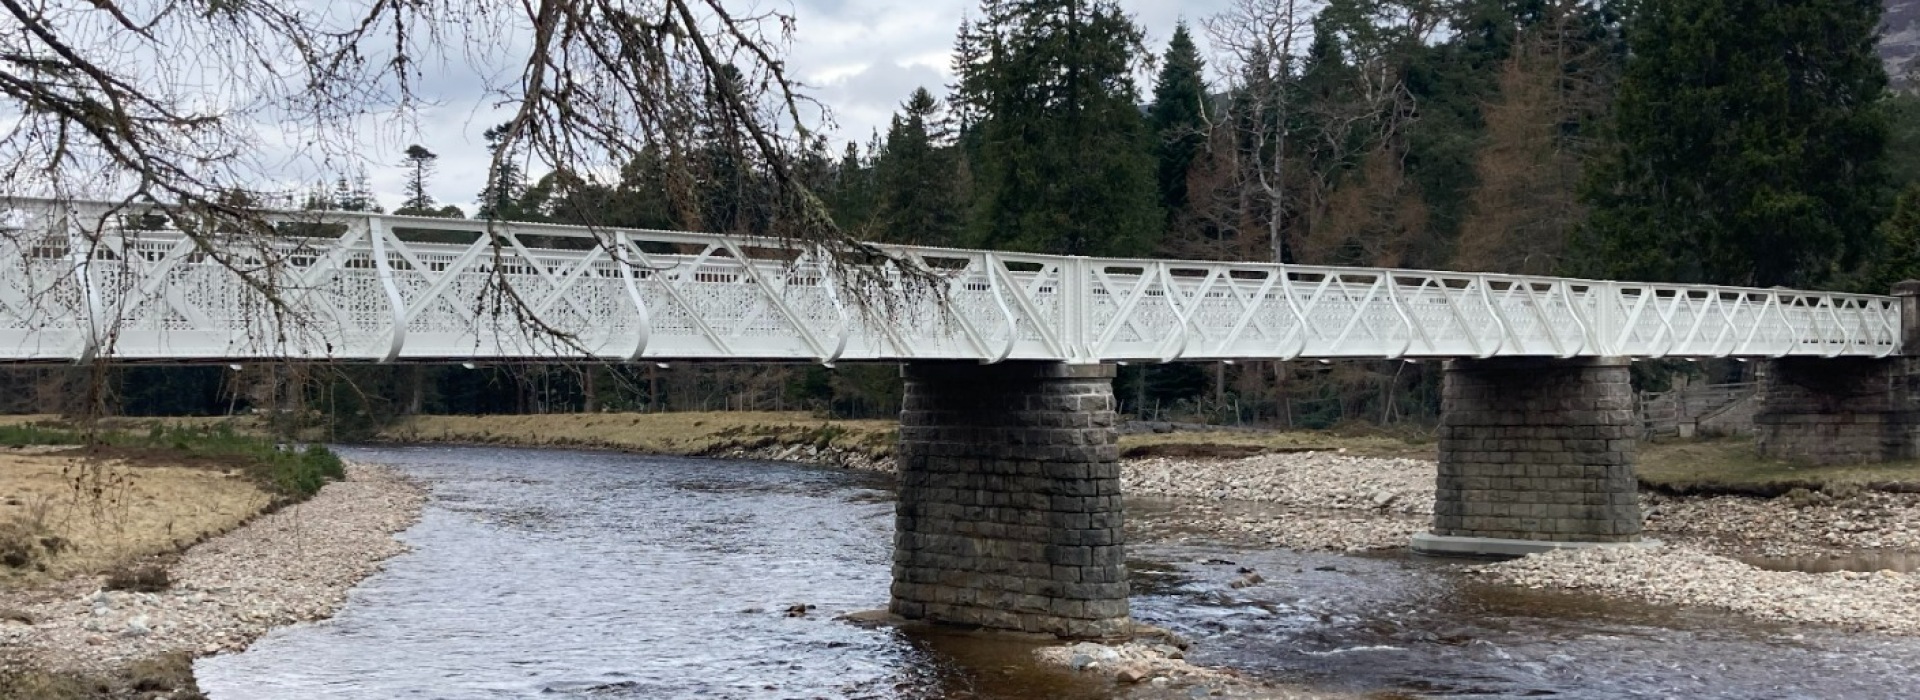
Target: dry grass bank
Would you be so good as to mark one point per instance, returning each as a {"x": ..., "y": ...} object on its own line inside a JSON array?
[
  {"x": 691, "y": 433},
  {"x": 63, "y": 515},
  {"x": 1733, "y": 465}
]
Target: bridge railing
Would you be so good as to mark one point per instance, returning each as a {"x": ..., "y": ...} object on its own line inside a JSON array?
[{"x": 80, "y": 280}]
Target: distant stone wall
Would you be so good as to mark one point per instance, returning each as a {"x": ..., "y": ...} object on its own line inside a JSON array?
[
  {"x": 1735, "y": 418},
  {"x": 1699, "y": 409},
  {"x": 1538, "y": 449},
  {"x": 1009, "y": 514},
  {"x": 1839, "y": 410}
]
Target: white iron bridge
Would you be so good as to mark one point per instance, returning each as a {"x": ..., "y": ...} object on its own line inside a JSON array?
[{"x": 86, "y": 281}]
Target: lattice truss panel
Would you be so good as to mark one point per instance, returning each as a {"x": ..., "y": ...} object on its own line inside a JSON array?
[{"x": 84, "y": 280}]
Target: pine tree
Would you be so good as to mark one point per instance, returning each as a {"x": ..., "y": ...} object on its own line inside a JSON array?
[
  {"x": 500, "y": 199},
  {"x": 419, "y": 165},
  {"x": 1063, "y": 159},
  {"x": 921, "y": 192},
  {"x": 1178, "y": 118},
  {"x": 851, "y": 194},
  {"x": 1748, "y": 137},
  {"x": 1901, "y": 231}
]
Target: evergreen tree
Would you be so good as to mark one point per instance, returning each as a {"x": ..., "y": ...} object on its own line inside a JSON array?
[
  {"x": 1178, "y": 118},
  {"x": 921, "y": 193},
  {"x": 642, "y": 199},
  {"x": 851, "y": 194},
  {"x": 419, "y": 165},
  {"x": 1063, "y": 160},
  {"x": 354, "y": 195},
  {"x": 500, "y": 199},
  {"x": 1748, "y": 137},
  {"x": 1902, "y": 234},
  {"x": 1903, "y": 140}
]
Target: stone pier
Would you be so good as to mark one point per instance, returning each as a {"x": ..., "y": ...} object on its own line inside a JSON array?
[
  {"x": 1840, "y": 410},
  {"x": 1009, "y": 514},
  {"x": 1845, "y": 410},
  {"x": 1535, "y": 454}
]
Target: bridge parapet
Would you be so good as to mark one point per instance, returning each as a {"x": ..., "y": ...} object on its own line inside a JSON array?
[{"x": 84, "y": 280}]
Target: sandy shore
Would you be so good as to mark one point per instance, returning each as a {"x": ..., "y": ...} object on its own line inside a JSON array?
[{"x": 293, "y": 565}]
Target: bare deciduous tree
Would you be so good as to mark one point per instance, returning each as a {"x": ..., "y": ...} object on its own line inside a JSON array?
[{"x": 1263, "y": 39}]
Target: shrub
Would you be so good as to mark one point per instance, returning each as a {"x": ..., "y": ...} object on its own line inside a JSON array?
[{"x": 145, "y": 578}]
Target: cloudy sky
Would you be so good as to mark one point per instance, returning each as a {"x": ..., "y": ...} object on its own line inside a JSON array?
[{"x": 861, "y": 57}]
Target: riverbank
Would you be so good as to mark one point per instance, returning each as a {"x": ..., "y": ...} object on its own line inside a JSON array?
[{"x": 69, "y": 638}]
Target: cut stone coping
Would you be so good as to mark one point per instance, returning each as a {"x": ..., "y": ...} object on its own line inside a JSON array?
[{"x": 1498, "y": 548}]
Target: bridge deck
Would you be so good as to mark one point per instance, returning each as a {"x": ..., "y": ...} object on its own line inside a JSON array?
[{"x": 78, "y": 281}]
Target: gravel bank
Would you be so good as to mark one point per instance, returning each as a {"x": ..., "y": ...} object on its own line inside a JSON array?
[
  {"x": 1682, "y": 575},
  {"x": 294, "y": 565},
  {"x": 1788, "y": 526},
  {"x": 1299, "y": 479},
  {"x": 1298, "y": 500},
  {"x": 1150, "y": 671}
]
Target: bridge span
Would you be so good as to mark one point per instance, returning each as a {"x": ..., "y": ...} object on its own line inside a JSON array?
[
  {"x": 85, "y": 280},
  {"x": 1010, "y": 511}
]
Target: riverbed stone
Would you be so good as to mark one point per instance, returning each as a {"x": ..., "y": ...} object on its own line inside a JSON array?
[
  {"x": 1009, "y": 514},
  {"x": 1536, "y": 449}
]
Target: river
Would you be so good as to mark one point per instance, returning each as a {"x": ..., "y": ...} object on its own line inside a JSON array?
[{"x": 571, "y": 574}]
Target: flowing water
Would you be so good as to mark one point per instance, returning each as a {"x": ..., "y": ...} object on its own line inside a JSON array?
[{"x": 557, "y": 574}]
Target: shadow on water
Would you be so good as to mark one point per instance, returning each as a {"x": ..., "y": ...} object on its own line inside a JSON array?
[{"x": 560, "y": 574}]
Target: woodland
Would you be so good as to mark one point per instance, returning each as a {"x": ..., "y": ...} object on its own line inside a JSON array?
[{"x": 1738, "y": 142}]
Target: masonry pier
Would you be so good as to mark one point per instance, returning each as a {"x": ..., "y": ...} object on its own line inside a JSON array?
[
  {"x": 1845, "y": 410},
  {"x": 1839, "y": 411},
  {"x": 1009, "y": 512},
  {"x": 1535, "y": 454}
]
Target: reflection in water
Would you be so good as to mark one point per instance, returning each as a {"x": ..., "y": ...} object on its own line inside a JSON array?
[{"x": 594, "y": 575}]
